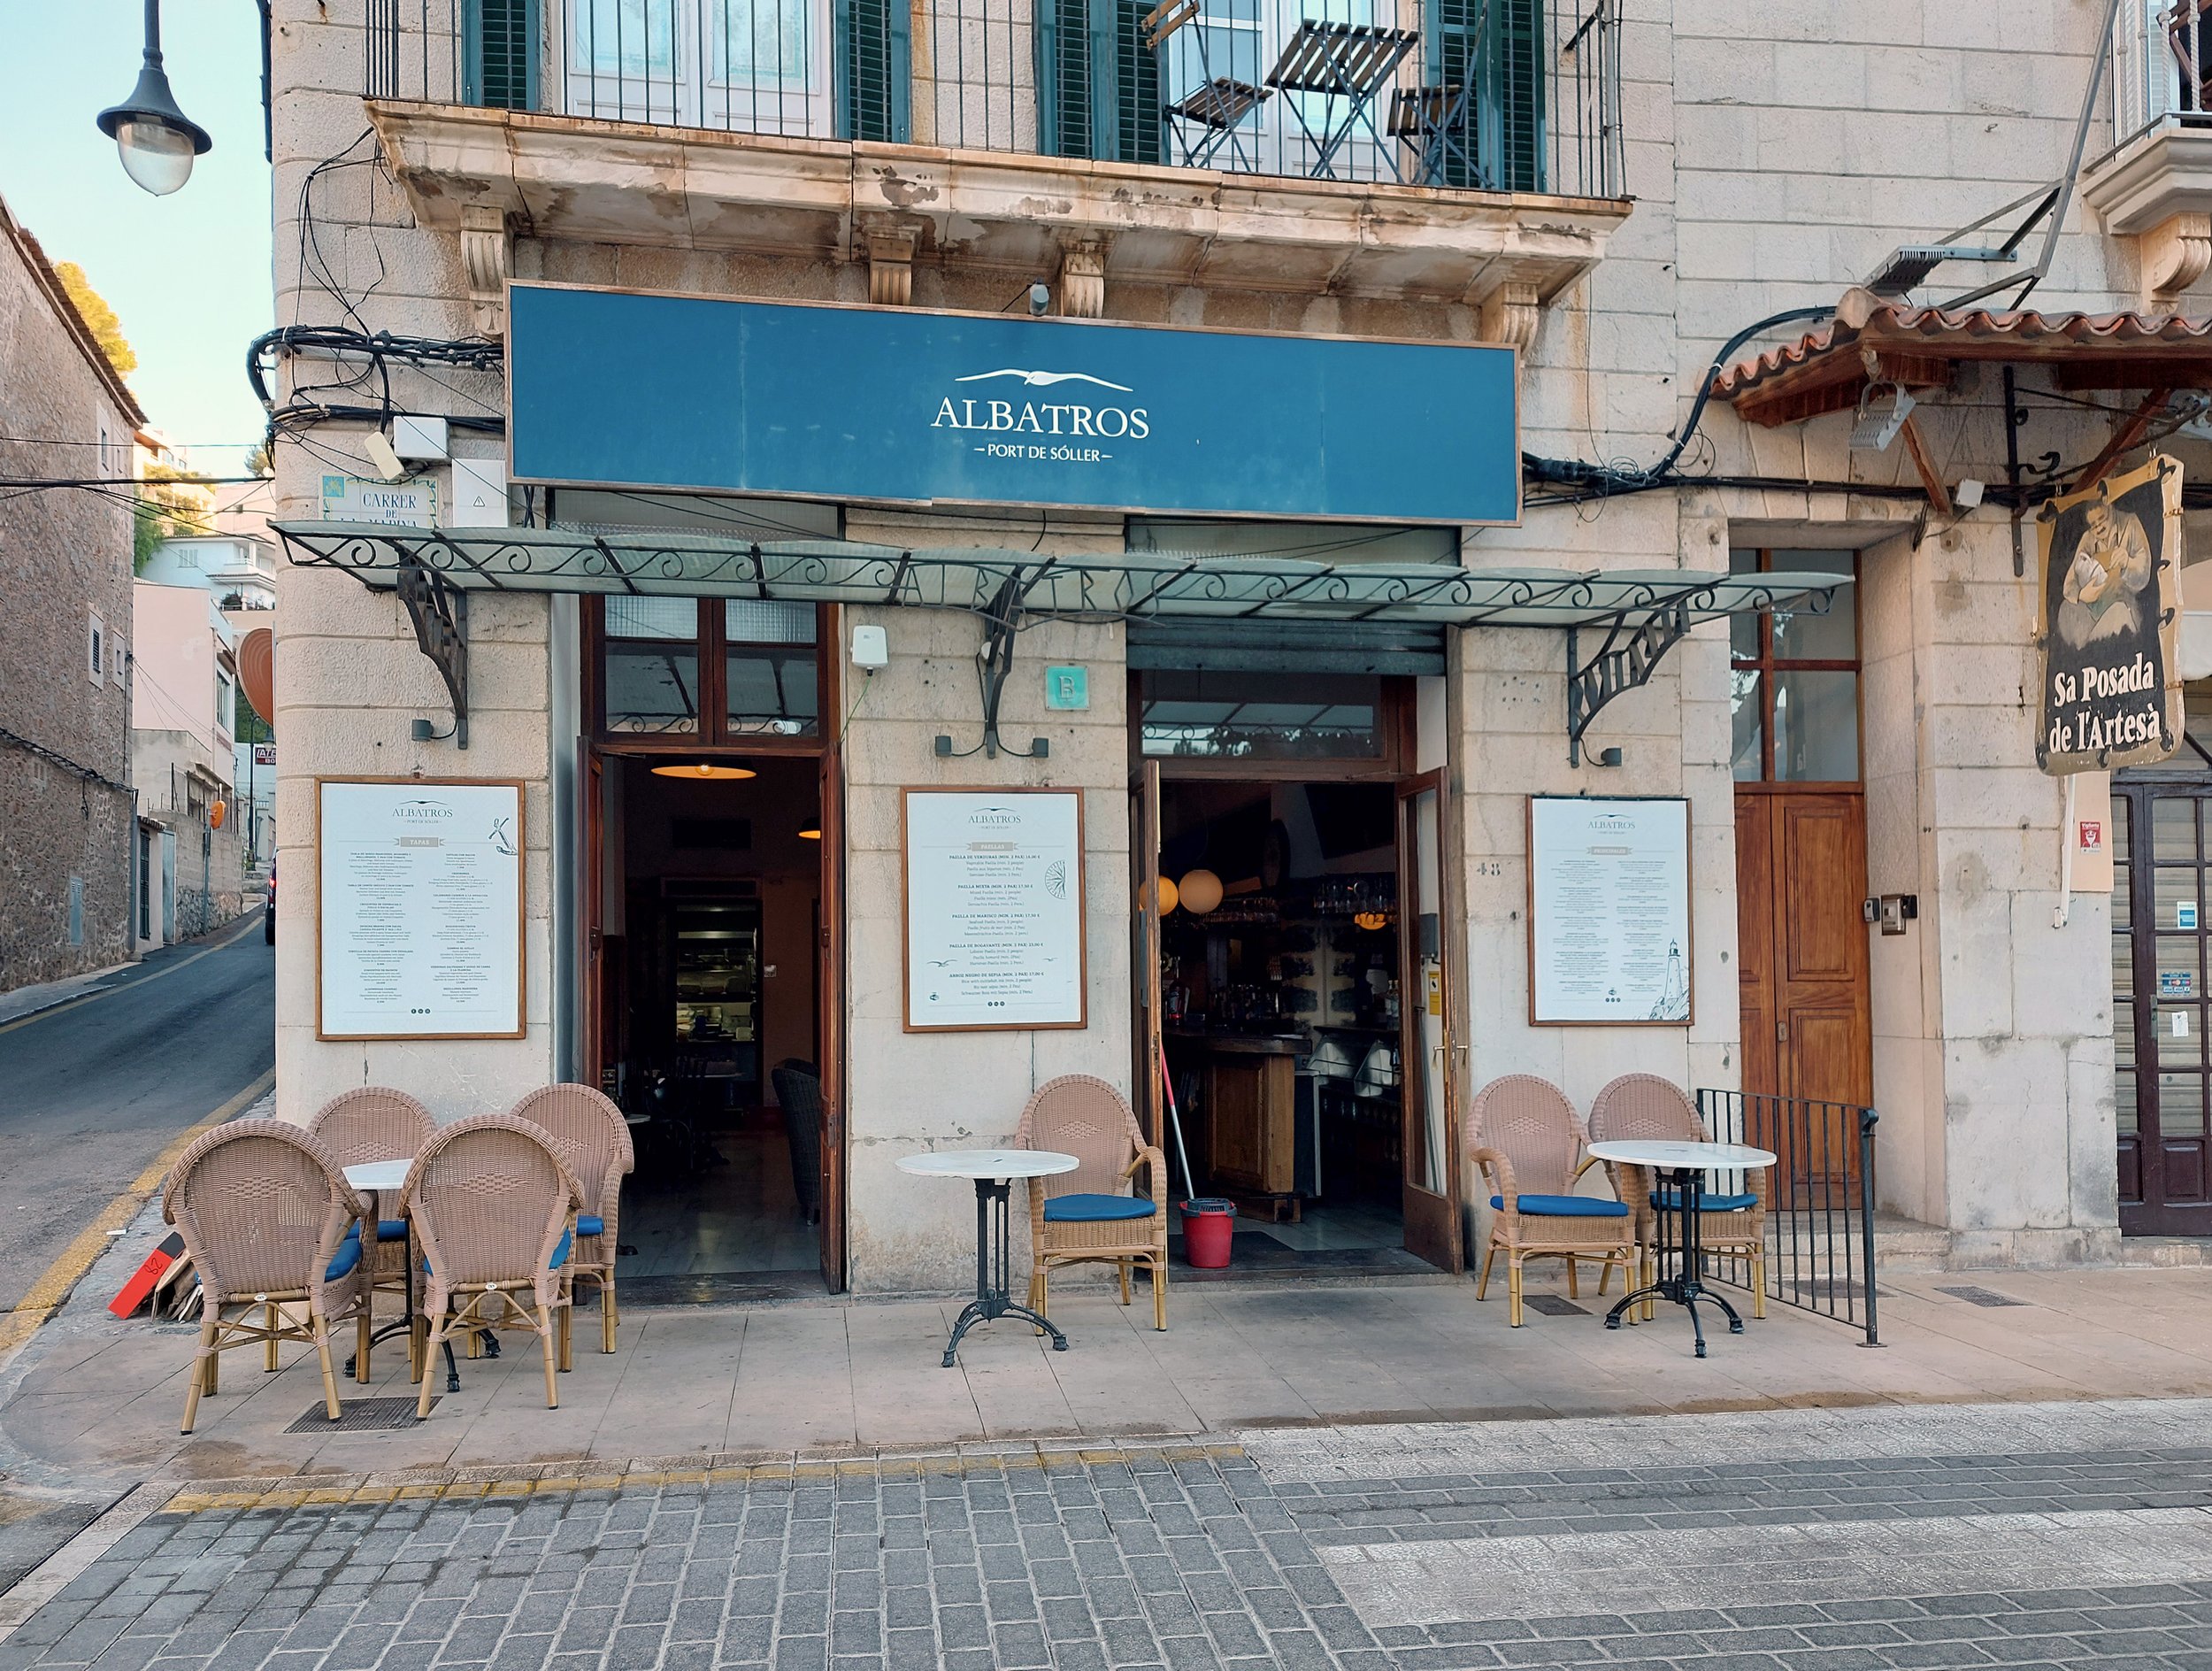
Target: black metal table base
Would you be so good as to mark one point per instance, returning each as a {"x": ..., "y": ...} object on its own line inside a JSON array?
[
  {"x": 406, "y": 1326},
  {"x": 1685, "y": 1287},
  {"x": 994, "y": 1273}
]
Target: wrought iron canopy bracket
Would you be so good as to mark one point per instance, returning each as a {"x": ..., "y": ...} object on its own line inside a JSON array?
[
  {"x": 439, "y": 611},
  {"x": 1635, "y": 645}
]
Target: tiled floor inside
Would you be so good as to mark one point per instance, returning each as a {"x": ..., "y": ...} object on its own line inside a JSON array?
[{"x": 735, "y": 1212}]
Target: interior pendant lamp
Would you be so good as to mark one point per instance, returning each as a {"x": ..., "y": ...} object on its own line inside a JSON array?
[
  {"x": 706, "y": 772},
  {"x": 1200, "y": 892},
  {"x": 157, "y": 141}
]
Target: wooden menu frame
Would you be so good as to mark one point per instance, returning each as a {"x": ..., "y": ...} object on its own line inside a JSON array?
[
  {"x": 522, "y": 900},
  {"x": 1081, "y": 1018},
  {"x": 1536, "y": 859}
]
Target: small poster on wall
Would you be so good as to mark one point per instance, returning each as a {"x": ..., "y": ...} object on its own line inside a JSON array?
[
  {"x": 420, "y": 918},
  {"x": 1608, "y": 912},
  {"x": 994, "y": 909},
  {"x": 2109, "y": 626}
]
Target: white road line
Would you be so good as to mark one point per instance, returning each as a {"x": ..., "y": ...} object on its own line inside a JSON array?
[
  {"x": 1735, "y": 1438},
  {"x": 53, "y": 1574},
  {"x": 1429, "y": 1583}
]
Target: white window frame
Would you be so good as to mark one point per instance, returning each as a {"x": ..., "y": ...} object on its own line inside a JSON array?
[
  {"x": 225, "y": 701},
  {"x": 678, "y": 78}
]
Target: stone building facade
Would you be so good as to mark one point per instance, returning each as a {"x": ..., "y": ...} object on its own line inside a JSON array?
[
  {"x": 66, "y": 826},
  {"x": 1740, "y": 160}
]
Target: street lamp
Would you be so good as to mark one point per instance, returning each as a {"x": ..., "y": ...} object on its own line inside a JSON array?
[{"x": 157, "y": 141}]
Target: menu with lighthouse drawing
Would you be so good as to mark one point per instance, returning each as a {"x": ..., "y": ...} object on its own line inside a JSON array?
[
  {"x": 993, "y": 908},
  {"x": 1608, "y": 910},
  {"x": 419, "y": 909}
]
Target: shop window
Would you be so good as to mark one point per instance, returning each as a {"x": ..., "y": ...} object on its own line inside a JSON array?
[
  {"x": 728, "y": 671},
  {"x": 1793, "y": 680},
  {"x": 1264, "y": 716}
]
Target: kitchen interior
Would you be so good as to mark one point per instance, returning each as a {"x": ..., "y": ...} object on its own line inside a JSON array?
[
  {"x": 711, "y": 911},
  {"x": 1281, "y": 1012}
]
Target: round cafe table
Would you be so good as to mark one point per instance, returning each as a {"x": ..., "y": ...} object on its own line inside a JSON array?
[
  {"x": 1684, "y": 1166},
  {"x": 994, "y": 1171}
]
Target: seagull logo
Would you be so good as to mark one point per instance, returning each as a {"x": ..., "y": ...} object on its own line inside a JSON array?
[{"x": 1045, "y": 380}]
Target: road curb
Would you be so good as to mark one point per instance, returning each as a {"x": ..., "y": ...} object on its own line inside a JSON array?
[{"x": 53, "y": 1574}]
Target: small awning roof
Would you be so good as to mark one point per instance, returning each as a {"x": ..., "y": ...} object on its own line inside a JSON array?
[
  {"x": 1825, "y": 369},
  {"x": 1024, "y": 585}
]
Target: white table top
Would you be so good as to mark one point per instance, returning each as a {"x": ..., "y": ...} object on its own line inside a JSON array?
[
  {"x": 378, "y": 1174},
  {"x": 988, "y": 1163},
  {"x": 1670, "y": 1153}
]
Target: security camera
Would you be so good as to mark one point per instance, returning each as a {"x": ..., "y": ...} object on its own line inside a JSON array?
[{"x": 1039, "y": 299}]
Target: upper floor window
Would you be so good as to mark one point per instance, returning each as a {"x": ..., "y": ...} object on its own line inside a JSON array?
[
  {"x": 226, "y": 700},
  {"x": 1793, "y": 680},
  {"x": 754, "y": 65}
]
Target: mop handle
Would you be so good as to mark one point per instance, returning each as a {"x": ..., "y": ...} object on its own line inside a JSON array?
[{"x": 1175, "y": 1120}]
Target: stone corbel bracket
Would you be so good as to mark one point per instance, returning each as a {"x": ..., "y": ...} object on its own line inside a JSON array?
[
  {"x": 890, "y": 264},
  {"x": 1509, "y": 312},
  {"x": 487, "y": 262},
  {"x": 2157, "y": 189},
  {"x": 1083, "y": 279},
  {"x": 2175, "y": 254}
]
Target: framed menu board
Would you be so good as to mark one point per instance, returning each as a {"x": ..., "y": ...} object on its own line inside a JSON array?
[
  {"x": 420, "y": 908},
  {"x": 1608, "y": 911},
  {"x": 993, "y": 880}
]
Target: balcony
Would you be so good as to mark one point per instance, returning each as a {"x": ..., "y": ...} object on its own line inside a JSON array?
[
  {"x": 2155, "y": 184},
  {"x": 1439, "y": 151}
]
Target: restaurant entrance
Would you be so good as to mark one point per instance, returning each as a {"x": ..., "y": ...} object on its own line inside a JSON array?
[
  {"x": 712, "y": 1004},
  {"x": 1291, "y": 964}
]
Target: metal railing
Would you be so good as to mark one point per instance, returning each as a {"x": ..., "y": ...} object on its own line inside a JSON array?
[
  {"x": 1483, "y": 95},
  {"x": 2159, "y": 72},
  {"x": 1820, "y": 1210}
]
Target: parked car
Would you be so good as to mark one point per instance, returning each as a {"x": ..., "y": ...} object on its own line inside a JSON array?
[{"x": 268, "y": 921}]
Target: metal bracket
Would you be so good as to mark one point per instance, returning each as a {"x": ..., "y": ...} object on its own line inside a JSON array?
[
  {"x": 1626, "y": 659},
  {"x": 1001, "y": 619},
  {"x": 439, "y": 611}
]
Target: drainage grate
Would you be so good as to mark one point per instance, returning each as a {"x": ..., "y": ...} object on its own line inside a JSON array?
[
  {"x": 1553, "y": 1305},
  {"x": 362, "y": 1415},
  {"x": 1981, "y": 1297}
]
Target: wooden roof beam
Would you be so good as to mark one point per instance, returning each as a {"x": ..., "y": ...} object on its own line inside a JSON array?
[{"x": 2125, "y": 436}]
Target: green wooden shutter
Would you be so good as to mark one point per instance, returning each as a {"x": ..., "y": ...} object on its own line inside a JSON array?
[
  {"x": 874, "y": 69},
  {"x": 1512, "y": 125},
  {"x": 499, "y": 54},
  {"x": 1064, "y": 78},
  {"x": 1454, "y": 35},
  {"x": 1125, "y": 125}
]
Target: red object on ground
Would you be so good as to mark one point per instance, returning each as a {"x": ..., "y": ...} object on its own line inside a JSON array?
[
  {"x": 170, "y": 1249},
  {"x": 1209, "y": 1227}
]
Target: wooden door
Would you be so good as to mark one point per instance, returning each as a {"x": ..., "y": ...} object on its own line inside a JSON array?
[
  {"x": 2161, "y": 844},
  {"x": 1801, "y": 966},
  {"x": 1427, "y": 1096},
  {"x": 591, "y": 1019},
  {"x": 1146, "y": 1060},
  {"x": 829, "y": 999}
]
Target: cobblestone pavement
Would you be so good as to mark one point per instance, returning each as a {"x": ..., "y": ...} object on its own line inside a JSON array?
[{"x": 2047, "y": 1536}]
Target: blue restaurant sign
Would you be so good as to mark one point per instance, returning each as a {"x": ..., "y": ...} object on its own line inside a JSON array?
[{"x": 902, "y": 407}]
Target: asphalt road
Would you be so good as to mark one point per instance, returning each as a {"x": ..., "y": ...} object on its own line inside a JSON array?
[{"x": 91, "y": 1091}]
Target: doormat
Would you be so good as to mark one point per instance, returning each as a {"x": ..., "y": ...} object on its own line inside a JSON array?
[
  {"x": 1553, "y": 1305},
  {"x": 1981, "y": 1297},
  {"x": 362, "y": 1415}
]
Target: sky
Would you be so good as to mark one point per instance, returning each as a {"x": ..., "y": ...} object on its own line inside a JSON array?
[{"x": 188, "y": 274}]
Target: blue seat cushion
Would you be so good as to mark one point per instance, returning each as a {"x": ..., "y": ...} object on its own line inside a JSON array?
[
  {"x": 1565, "y": 1206},
  {"x": 391, "y": 1229},
  {"x": 560, "y": 1254},
  {"x": 348, "y": 1256},
  {"x": 590, "y": 1224},
  {"x": 1669, "y": 1200},
  {"x": 1095, "y": 1209}
]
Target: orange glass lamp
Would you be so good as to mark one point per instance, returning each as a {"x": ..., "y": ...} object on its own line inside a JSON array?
[
  {"x": 706, "y": 772},
  {"x": 1200, "y": 892}
]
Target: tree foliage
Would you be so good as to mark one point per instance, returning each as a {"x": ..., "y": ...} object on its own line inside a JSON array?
[
  {"x": 99, "y": 317},
  {"x": 172, "y": 502}
]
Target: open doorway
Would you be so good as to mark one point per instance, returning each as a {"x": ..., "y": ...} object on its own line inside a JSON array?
[
  {"x": 709, "y": 1017},
  {"x": 1298, "y": 979}
]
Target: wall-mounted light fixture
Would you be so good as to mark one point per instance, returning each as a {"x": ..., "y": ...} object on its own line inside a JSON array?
[{"x": 156, "y": 140}]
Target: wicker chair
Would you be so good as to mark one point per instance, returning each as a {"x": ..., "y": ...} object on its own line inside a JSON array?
[
  {"x": 1646, "y": 1105},
  {"x": 1087, "y": 1216},
  {"x": 494, "y": 1208},
  {"x": 374, "y": 1123},
  {"x": 593, "y": 1140},
  {"x": 1528, "y": 1141},
  {"x": 270, "y": 1224}
]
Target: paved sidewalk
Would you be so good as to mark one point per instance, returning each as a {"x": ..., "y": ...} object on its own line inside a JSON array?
[{"x": 1928, "y": 1537}]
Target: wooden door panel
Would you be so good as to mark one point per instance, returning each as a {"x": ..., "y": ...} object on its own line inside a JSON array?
[
  {"x": 1755, "y": 899},
  {"x": 1821, "y": 849},
  {"x": 2181, "y": 1164}
]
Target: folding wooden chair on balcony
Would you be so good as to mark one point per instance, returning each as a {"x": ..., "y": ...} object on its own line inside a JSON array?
[
  {"x": 1646, "y": 1105},
  {"x": 1432, "y": 122},
  {"x": 1528, "y": 1141},
  {"x": 271, "y": 1227},
  {"x": 1210, "y": 118},
  {"x": 1090, "y": 1215},
  {"x": 1347, "y": 65}
]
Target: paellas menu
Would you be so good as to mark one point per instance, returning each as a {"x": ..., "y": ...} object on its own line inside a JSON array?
[
  {"x": 993, "y": 908},
  {"x": 420, "y": 910}
]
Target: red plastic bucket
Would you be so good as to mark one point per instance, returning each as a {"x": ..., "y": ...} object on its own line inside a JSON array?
[{"x": 1209, "y": 1227}]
